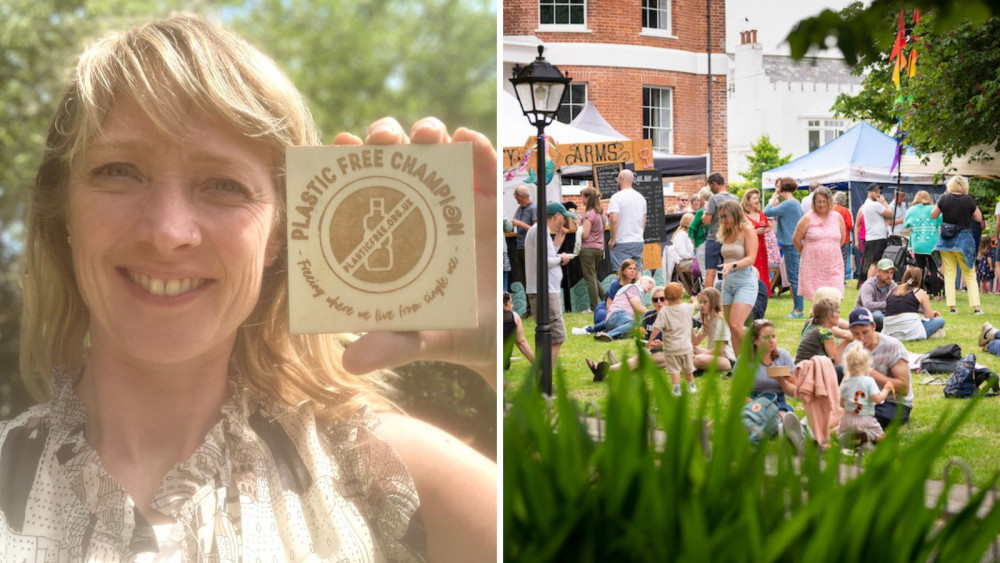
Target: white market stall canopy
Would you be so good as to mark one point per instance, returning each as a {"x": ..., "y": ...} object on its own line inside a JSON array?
[
  {"x": 862, "y": 154},
  {"x": 984, "y": 168},
  {"x": 515, "y": 129}
]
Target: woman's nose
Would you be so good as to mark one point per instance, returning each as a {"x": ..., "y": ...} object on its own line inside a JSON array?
[{"x": 169, "y": 221}]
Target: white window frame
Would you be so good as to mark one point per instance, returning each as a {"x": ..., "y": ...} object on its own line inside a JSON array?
[
  {"x": 665, "y": 12},
  {"x": 564, "y": 27},
  {"x": 824, "y": 127},
  {"x": 649, "y": 127},
  {"x": 571, "y": 103}
]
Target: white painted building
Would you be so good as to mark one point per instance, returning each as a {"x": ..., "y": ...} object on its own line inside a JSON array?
[{"x": 788, "y": 100}]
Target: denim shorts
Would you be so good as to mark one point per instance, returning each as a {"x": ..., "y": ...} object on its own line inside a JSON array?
[
  {"x": 713, "y": 254},
  {"x": 739, "y": 286}
]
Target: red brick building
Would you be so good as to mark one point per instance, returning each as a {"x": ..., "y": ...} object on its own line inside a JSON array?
[{"x": 643, "y": 63}]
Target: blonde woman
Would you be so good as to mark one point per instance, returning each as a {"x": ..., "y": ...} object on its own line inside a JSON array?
[
  {"x": 183, "y": 421},
  {"x": 957, "y": 241},
  {"x": 739, "y": 281}
]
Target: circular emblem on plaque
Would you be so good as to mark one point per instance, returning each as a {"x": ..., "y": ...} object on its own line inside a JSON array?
[{"x": 377, "y": 234}]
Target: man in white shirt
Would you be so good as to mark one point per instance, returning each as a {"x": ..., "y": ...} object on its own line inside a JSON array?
[
  {"x": 899, "y": 209},
  {"x": 627, "y": 212},
  {"x": 555, "y": 225},
  {"x": 876, "y": 212},
  {"x": 807, "y": 202}
]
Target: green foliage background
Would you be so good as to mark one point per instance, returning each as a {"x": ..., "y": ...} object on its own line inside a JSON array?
[
  {"x": 765, "y": 155},
  {"x": 354, "y": 61}
]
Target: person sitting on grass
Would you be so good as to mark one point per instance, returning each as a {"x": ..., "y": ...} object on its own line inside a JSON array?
[
  {"x": 890, "y": 362},
  {"x": 624, "y": 309},
  {"x": 513, "y": 333},
  {"x": 874, "y": 291},
  {"x": 600, "y": 370},
  {"x": 673, "y": 322},
  {"x": 903, "y": 308},
  {"x": 766, "y": 354},
  {"x": 627, "y": 273},
  {"x": 858, "y": 396},
  {"x": 817, "y": 338},
  {"x": 714, "y": 332}
]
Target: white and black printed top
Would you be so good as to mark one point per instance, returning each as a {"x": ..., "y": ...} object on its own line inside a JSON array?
[{"x": 269, "y": 483}]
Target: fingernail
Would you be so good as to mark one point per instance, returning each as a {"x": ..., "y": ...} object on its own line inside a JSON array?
[{"x": 381, "y": 129}]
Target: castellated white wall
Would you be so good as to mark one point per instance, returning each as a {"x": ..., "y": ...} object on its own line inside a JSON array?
[{"x": 779, "y": 109}]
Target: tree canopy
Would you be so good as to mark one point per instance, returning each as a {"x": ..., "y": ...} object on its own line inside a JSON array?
[{"x": 952, "y": 103}]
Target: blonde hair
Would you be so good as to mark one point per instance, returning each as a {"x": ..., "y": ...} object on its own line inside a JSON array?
[
  {"x": 922, "y": 198},
  {"x": 827, "y": 292},
  {"x": 745, "y": 200},
  {"x": 858, "y": 361},
  {"x": 171, "y": 67},
  {"x": 735, "y": 219},
  {"x": 686, "y": 220},
  {"x": 957, "y": 185}
]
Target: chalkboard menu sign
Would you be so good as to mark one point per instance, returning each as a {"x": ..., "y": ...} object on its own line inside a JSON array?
[
  {"x": 606, "y": 178},
  {"x": 649, "y": 183}
]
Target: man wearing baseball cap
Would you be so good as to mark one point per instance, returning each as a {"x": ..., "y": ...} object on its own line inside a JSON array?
[
  {"x": 875, "y": 291},
  {"x": 555, "y": 225},
  {"x": 889, "y": 363}
]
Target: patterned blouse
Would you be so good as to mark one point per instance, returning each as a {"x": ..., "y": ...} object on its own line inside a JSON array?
[{"x": 269, "y": 483}]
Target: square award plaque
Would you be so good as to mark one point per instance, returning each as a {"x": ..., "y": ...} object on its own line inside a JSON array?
[{"x": 380, "y": 237}]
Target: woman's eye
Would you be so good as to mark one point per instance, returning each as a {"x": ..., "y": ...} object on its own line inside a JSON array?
[
  {"x": 228, "y": 187},
  {"x": 116, "y": 170}
]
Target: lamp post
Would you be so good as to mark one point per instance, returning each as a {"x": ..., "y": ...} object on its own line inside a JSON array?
[{"x": 539, "y": 88}]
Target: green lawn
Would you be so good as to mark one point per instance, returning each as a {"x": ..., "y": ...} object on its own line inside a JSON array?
[{"x": 977, "y": 442}]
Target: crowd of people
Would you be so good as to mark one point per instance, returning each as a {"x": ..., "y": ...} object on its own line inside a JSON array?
[{"x": 729, "y": 255}]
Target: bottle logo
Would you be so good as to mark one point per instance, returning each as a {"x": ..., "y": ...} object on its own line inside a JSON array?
[{"x": 380, "y": 234}]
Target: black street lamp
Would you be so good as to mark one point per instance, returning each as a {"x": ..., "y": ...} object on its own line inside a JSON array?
[{"x": 539, "y": 88}]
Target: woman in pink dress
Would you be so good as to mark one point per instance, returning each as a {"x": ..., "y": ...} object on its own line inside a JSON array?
[
  {"x": 818, "y": 237},
  {"x": 751, "y": 208}
]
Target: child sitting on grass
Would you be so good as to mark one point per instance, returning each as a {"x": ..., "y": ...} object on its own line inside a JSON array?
[
  {"x": 858, "y": 396},
  {"x": 675, "y": 324},
  {"x": 714, "y": 332}
]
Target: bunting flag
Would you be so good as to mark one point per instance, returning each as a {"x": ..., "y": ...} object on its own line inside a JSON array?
[
  {"x": 897, "y": 54},
  {"x": 913, "y": 41},
  {"x": 900, "y": 137},
  {"x": 511, "y": 172}
]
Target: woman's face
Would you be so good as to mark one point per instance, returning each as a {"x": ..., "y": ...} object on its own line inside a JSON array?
[
  {"x": 754, "y": 201},
  {"x": 630, "y": 272},
  {"x": 821, "y": 204},
  {"x": 659, "y": 300},
  {"x": 170, "y": 238},
  {"x": 766, "y": 341}
]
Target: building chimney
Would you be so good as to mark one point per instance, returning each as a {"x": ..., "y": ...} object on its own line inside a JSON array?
[
  {"x": 753, "y": 35},
  {"x": 743, "y": 38}
]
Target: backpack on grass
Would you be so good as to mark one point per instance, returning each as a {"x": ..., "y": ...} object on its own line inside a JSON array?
[
  {"x": 942, "y": 359},
  {"x": 760, "y": 417},
  {"x": 962, "y": 383}
]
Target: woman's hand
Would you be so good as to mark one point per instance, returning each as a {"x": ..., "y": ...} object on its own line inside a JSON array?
[
  {"x": 726, "y": 268},
  {"x": 475, "y": 348}
]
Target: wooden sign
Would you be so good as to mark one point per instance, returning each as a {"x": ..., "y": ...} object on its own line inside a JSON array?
[
  {"x": 606, "y": 178},
  {"x": 380, "y": 238},
  {"x": 639, "y": 152}
]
